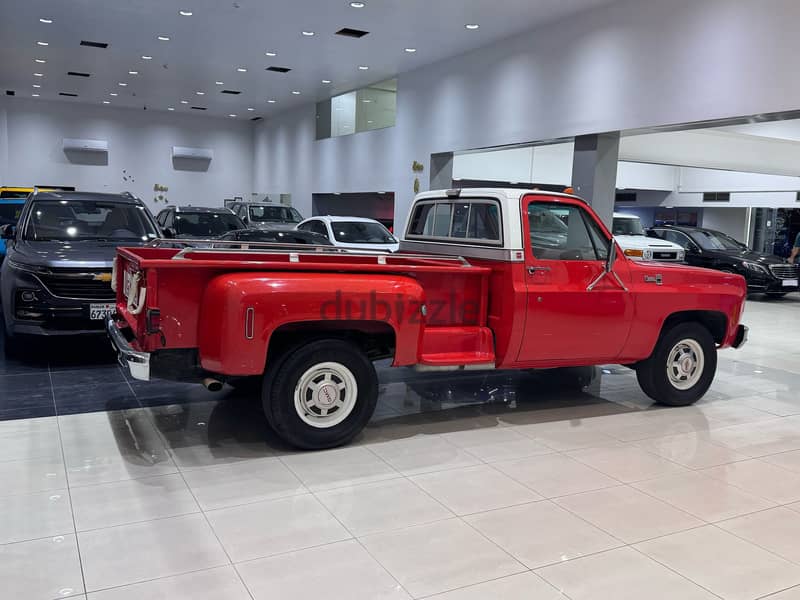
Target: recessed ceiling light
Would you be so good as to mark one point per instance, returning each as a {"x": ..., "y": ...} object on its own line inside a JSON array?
[
  {"x": 113, "y": 94},
  {"x": 170, "y": 108},
  {"x": 185, "y": 13},
  {"x": 219, "y": 83},
  {"x": 358, "y": 4},
  {"x": 48, "y": 21},
  {"x": 36, "y": 85},
  {"x": 370, "y": 122},
  {"x": 200, "y": 93},
  {"x": 133, "y": 72},
  {"x": 270, "y": 53},
  {"x": 472, "y": 26},
  {"x": 184, "y": 102},
  {"x": 410, "y": 50},
  {"x": 38, "y": 75},
  {"x": 308, "y": 33},
  {"x": 106, "y": 102},
  {"x": 41, "y": 61},
  {"x": 34, "y": 95},
  {"x": 326, "y": 81},
  {"x": 122, "y": 84},
  {"x": 241, "y": 70},
  {"x": 363, "y": 68},
  {"x": 367, "y": 100},
  {"x": 163, "y": 38},
  {"x": 145, "y": 57},
  {"x": 42, "y": 43},
  {"x": 295, "y": 92},
  {"x": 250, "y": 109},
  {"x": 232, "y": 115},
  {"x": 271, "y": 101}
]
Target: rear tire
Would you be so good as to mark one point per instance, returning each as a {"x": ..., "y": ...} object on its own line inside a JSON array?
[
  {"x": 682, "y": 366},
  {"x": 321, "y": 394}
]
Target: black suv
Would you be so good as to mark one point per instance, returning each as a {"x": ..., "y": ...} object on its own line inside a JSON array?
[
  {"x": 197, "y": 222},
  {"x": 56, "y": 278},
  {"x": 764, "y": 273}
]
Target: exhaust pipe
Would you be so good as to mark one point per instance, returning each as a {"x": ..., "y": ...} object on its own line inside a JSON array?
[{"x": 212, "y": 385}]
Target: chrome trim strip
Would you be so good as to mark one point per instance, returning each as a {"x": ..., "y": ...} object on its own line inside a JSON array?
[
  {"x": 464, "y": 250},
  {"x": 137, "y": 363}
]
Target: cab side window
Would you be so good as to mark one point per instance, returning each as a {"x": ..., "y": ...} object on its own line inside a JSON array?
[
  {"x": 676, "y": 237},
  {"x": 315, "y": 227},
  {"x": 563, "y": 232}
]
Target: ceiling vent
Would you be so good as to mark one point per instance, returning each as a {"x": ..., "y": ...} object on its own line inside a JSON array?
[
  {"x": 78, "y": 74},
  {"x": 625, "y": 197},
  {"x": 231, "y": 92},
  {"x": 278, "y": 69},
  {"x": 11, "y": 93},
  {"x": 257, "y": 119},
  {"x": 68, "y": 94},
  {"x": 94, "y": 44},
  {"x": 76, "y": 145},
  {"x": 192, "y": 153},
  {"x": 352, "y": 33},
  {"x": 717, "y": 197},
  {"x": 199, "y": 108}
]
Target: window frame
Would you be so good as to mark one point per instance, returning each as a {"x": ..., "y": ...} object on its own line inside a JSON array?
[
  {"x": 587, "y": 220},
  {"x": 449, "y": 239}
]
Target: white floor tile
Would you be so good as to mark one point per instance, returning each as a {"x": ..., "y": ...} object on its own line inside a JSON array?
[
  {"x": 338, "y": 468},
  {"x": 704, "y": 497},
  {"x": 524, "y": 586},
  {"x": 133, "y": 553},
  {"x": 722, "y": 563},
  {"x": 626, "y": 463},
  {"x": 242, "y": 483},
  {"x": 760, "y": 478},
  {"x": 423, "y": 454},
  {"x": 555, "y": 475},
  {"x": 621, "y": 574},
  {"x": 541, "y": 533},
  {"x": 222, "y": 583},
  {"x": 438, "y": 557},
  {"x": 475, "y": 489},
  {"x": 34, "y": 475},
  {"x": 122, "y": 502},
  {"x": 31, "y": 516},
  {"x": 628, "y": 514},
  {"x": 275, "y": 526},
  {"x": 691, "y": 450},
  {"x": 47, "y": 569},
  {"x": 786, "y": 460},
  {"x": 776, "y": 530},
  {"x": 340, "y": 571}
]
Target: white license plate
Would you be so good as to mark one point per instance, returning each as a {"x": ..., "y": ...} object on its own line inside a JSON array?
[
  {"x": 101, "y": 311},
  {"x": 790, "y": 283}
]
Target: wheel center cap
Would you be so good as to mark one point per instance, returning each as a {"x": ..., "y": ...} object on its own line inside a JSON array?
[
  {"x": 327, "y": 395},
  {"x": 686, "y": 365}
]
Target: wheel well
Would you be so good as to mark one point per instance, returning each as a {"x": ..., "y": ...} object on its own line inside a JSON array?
[
  {"x": 715, "y": 322},
  {"x": 375, "y": 338}
]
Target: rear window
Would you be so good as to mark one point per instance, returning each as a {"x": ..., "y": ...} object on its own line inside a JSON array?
[
  {"x": 473, "y": 220},
  {"x": 8, "y": 195}
]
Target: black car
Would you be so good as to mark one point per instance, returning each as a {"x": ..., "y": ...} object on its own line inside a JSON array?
[
  {"x": 197, "y": 222},
  {"x": 764, "y": 273},
  {"x": 56, "y": 278},
  {"x": 277, "y": 236}
]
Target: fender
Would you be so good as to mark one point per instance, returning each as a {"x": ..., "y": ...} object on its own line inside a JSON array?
[{"x": 240, "y": 312}]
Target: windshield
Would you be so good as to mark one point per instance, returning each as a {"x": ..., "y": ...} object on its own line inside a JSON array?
[
  {"x": 715, "y": 240},
  {"x": 8, "y": 195},
  {"x": 627, "y": 226},
  {"x": 361, "y": 232},
  {"x": 206, "y": 225},
  {"x": 70, "y": 220},
  {"x": 281, "y": 214},
  {"x": 9, "y": 213}
]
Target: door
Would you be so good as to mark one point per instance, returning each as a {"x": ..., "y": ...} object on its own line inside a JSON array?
[
  {"x": 694, "y": 256},
  {"x": 567, "y": 317}
]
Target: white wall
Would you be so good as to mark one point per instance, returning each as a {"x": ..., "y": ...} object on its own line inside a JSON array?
[
  {"x": 621, "y": 67},
  {"x": 140, "y": 143},
  {"x": 730, "y": 220}
]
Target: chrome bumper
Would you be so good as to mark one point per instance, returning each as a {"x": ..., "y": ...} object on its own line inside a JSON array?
[
  {"x": 741, "y": 336},
  {"x": 137, "y": 363}
]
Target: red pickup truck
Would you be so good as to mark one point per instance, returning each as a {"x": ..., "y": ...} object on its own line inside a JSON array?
[{"x": 485, "y": 279}]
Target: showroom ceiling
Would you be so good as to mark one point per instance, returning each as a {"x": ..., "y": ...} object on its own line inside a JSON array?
[{"x": 183, "y": 54}]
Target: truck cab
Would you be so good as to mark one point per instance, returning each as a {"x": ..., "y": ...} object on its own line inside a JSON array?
[{"x": 485, "y": 279}]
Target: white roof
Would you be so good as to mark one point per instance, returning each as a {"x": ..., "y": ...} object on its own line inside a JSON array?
[{"x": 338, "y": 219}]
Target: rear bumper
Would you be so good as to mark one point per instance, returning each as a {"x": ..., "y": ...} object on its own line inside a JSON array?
[
  {"x": 137, "y": 363},
  {"x": 741, "y": 336}
]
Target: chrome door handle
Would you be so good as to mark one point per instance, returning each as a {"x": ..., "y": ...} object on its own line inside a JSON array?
[{"x": 532, "y": 270}]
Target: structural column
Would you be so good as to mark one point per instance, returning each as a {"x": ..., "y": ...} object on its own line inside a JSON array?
[{"x": 594, "y": 172}]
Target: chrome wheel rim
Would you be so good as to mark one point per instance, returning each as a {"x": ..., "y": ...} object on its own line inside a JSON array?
[
  {"x": 325, "y": 395},
  {"x": 685, "y": 364}
]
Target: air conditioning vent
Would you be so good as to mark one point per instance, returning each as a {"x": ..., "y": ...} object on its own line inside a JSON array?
[
  {"x": 625, "y": 197},
  {"x": 257, "y": 119},
  {"x": 192, "y": 153},
  {"x": 199, "y": 108},
  {"x": 717, "y": 197},
  {"x": 94, "y": 44},
  {"x": 11, "y": 93},
  {"x": 78, "y": 74},
  {"x": 278, "y": 69},
  {"x": 69, "y": 94},
  {"x": 231, "y": 92},
  {"x": 77, "y": 145},
  {"x": 353, "y": 33}
]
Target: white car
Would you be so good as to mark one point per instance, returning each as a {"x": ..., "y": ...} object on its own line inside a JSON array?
[
  {"x": 353, "y": 233},
  {"x": 630, "y": 236}
]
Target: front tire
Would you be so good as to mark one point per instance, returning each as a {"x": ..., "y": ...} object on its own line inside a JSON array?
[
  {"x": 320, "y": 395},
  {"x": 682, "y": 366}
]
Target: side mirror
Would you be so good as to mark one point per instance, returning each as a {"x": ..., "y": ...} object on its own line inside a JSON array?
[
  {"x": 169, "y": 233},
  {"x": 612, "y": 255},
  {"x": 693, "y": 248},
  {"x": 8, "y": 232}
]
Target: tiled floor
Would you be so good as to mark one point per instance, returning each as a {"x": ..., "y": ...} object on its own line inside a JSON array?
[{"x": 462, "y": 488}]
